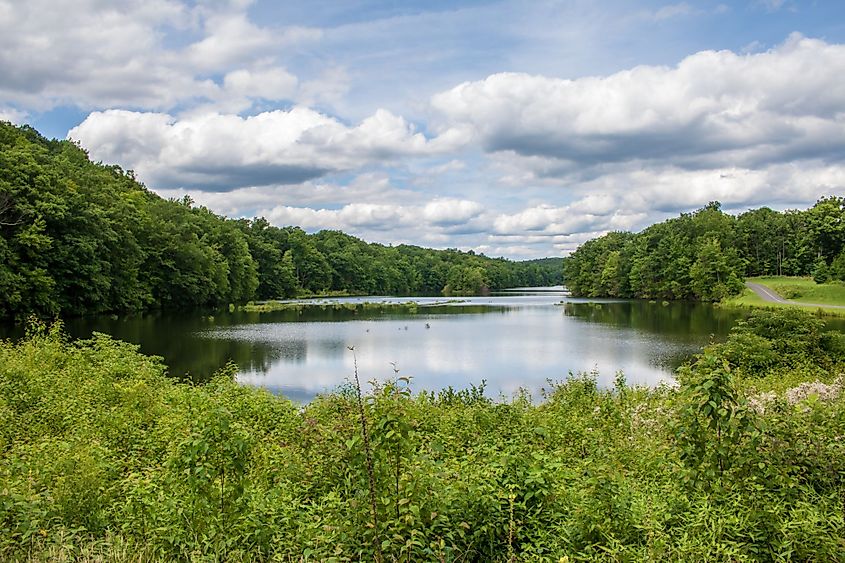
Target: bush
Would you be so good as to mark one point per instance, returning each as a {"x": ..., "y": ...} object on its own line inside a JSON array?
[{"x": 103, "y": 457}]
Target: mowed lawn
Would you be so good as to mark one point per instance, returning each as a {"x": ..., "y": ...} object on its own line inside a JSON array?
[
  {"x": 796, "y": 289},
  {"x": 804, "y": 290}
]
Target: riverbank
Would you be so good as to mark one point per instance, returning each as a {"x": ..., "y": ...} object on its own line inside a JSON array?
[{"x": 104, "y": 457}]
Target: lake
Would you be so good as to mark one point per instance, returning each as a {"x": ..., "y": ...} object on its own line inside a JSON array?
[{"x": 518, "y": 339}]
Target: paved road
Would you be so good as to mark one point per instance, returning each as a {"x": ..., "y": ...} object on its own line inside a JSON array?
[{"x": 768, "y": 295}]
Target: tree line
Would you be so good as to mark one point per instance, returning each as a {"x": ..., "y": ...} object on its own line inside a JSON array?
[
  {"x": 705, "y": 255},
  {"x": 78, "y": 237}
]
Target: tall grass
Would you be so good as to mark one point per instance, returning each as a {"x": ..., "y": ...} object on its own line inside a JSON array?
[{"x": 103, "y": 457}]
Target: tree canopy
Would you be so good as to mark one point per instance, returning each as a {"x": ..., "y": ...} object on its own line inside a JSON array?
[
  {"x": 78, "y": 237},
  {"x": 706, "y": 254}
]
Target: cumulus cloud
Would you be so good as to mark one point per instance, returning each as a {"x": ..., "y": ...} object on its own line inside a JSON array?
[
  {"x": 625, "y": 150},
  {"x": 230, "y": 38},
  {"x": 514, "y": 164},
  {"x": 246, "y": 202},
  {"x": 269, "y": 84},
  {"x": 155, "y": 54},
  {"x": 712, "y": 109},
  {"x": 549, "y": 220},
  {"x": 434, "y": 215},
  {"x": 450, "y": 212},
  {"x": 223, "y": 152},
  {"x": 466, "y": 224},
  {"x": 91, "y": 51},
  {"x": 12, "y": 115},
  {"x": 632, "y": 198}
]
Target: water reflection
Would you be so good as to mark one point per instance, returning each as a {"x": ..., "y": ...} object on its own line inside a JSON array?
[
  {"x": 516, "y": 340},
  {"x": 512, "y": 341},
  {"x": 681, "y": 320}
]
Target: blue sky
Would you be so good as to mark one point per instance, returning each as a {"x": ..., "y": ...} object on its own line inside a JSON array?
[{"x": 511, "y": 128}]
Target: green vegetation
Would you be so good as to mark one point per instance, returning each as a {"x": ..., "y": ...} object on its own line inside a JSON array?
[
  {"x": 269, "y": 306},
  {"x": 705, "y": 255},
  {"x": 804, "y": 293},
  {"x": 82, "y": 238},
  {"x": 747, "y": 298},
  {"x": 805, "y": 289},
  {"x": 103, "y": 457}
]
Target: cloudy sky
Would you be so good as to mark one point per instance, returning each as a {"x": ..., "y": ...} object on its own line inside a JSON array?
[{"x": 513, "y": 128}]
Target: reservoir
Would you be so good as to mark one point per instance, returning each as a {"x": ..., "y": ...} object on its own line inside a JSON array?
[{"x": 520, "y": 339}]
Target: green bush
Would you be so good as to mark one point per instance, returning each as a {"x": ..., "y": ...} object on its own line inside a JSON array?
[{"x": 102, "y": 457}]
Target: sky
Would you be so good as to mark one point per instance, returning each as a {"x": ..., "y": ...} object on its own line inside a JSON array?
[{"x": 512, "y": 128}]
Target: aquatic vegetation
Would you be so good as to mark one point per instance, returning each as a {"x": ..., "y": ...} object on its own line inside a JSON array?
[{"x": 411, "y": 307}]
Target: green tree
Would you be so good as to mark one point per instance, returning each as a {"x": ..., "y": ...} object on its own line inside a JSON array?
[
  {"x": 821, "y": 273},
  {"x": 464, "y": 280},
  {"x": 713, "y": 276}
]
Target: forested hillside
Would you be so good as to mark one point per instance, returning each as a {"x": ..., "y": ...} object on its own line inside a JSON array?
[
  {"x": 78, "y": 238},
  {"x": 706, "y": 254}
]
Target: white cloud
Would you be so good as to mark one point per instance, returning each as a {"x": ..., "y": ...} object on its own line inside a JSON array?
[
  {"x": 449, "y": 211},
  {"x": 545, "y": 220},
  {"x": 531, "y": 232},
  {"x": 223, "y": 152},
  {"x": 627, "y": 198},
  {"x": 631, "y": 198},
  {"x": 89, "y": 51},
  {"x": 13, "y": 115},
  {"x": 330, "y": 86},
  {"x": 269, "y": 84},
  {"x": 230, "y": 39},
  {"x": 453, "y": 165},
  {"x": 435, "y": 215},
  {"x": 753, "y": 47},
  {"x": 349, "y": 218},
  {"x": 155, "y": 54},
  {"x": 712, "y": 109},
  {"x": 518, "y": 164},
  {"x": 246, "y": 202}
]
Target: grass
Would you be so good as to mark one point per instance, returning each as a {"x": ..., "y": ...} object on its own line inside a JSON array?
[
  {"x": 805, "y": 289},
  {"x": 105, "y": 458},
  {"x": 797, "y": 290}
]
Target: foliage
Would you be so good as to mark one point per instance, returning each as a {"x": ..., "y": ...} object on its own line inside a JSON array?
[
  {"x": 462, "y": 280},
  {"x": 820, "y": 273},
  {"x": 690, "y": 257},
  {"x": 102, "y": 456},
  {"x": 705, "y": 255},
  {"x": 409, "y": 307},
  {"x": 83, "y": 238},
  {"x": 806, "y": 290},
  {"x": 780, "y": 339},
  {"x": 715, "y": 429}
]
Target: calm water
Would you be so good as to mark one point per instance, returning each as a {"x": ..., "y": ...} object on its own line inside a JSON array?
[{"x": 521, "y": 339}]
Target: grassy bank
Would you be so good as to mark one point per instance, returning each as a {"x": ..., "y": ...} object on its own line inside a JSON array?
[
  {"x": 799, "y": 291},
  {"x": 805, "y": 289},
  {"x": 102, "y": 457}
]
